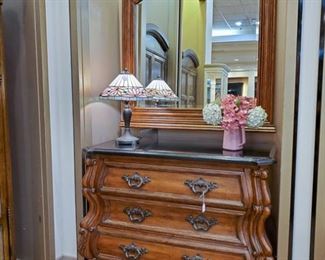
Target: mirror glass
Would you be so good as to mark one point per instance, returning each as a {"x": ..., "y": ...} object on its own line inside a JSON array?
[{"x": 202, "y": 49}]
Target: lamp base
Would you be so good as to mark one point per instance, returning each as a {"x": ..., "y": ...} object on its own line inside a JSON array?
[{"x": 127, "y": 139}]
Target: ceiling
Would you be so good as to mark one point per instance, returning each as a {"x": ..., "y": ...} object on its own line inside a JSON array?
[
  {"x": 226, "y": 13},
  {"x": 238, "y": 56},
  {"x": 235, "y": 44}
]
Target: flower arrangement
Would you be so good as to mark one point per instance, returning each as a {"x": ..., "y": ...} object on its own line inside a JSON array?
[{"x": 234, "y": 112}]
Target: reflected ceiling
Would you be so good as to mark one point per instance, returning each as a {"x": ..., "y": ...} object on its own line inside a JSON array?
[{"x": 235, "y": 20}]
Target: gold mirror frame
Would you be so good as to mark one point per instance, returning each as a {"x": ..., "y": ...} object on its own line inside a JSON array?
[{"x": 191, "y": 118}]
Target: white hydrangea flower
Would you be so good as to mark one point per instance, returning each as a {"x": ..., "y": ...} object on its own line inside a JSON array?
[
  {"x": 212, "y": 114},
  {"x": 256, "y": 118}
]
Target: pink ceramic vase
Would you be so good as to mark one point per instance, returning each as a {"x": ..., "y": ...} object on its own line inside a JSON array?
[{"x": 234, "y": 140}]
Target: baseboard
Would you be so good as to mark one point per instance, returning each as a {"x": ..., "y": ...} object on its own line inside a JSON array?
[{"x": 67, "y": 258}]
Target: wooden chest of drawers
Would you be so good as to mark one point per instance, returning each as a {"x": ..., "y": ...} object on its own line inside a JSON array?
[{"x": 157, "y": 204}]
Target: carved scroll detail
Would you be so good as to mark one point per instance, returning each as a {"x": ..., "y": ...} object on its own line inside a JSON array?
[
  {"x": 261, "y": 210},
  {"x": 91, "y": 183}
]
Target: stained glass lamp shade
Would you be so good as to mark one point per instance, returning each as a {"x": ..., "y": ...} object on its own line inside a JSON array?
[
  {"x": 125, "y": 87},
  {"x": 158, "y": 89}
]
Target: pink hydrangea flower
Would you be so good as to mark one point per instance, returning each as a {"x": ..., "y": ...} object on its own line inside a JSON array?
[{"x": 235, "y": 111}]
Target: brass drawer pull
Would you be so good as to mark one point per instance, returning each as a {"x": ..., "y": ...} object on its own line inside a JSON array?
[
  {"x": 200, "y": 186},
  {"x": 136, "y": 181},
  {"x": 196, "y": 257},
  {"x": 201, "y": 222},
  {"x": 133, "y": 252},
  {"x": 137, "y": 215}
]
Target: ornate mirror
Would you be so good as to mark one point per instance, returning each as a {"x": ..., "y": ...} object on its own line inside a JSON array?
[{"x": 203, "y": 49}]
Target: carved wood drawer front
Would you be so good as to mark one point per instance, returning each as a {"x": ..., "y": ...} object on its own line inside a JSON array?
[
  {"x": 177, "y": 219},
  {"x": 150, "y": 208},
  {"x": 110, "y": 247},
  {"x": 225, "y": 188}
]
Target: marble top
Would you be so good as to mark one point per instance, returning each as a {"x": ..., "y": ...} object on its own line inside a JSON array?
[{"x": 184, "y": 151}]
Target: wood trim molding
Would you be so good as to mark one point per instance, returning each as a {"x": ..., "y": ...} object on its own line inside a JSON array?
[
  {"x": 178, "y": 118},
  {"x": 128, "y": 34},
  {"x": 154, "y": 31},
  {"x": 192, "y": 55},
  {"x": 169, "y": 118},
  {"x": 77, "y": 22},
  {"x": 7, "y": 221},
  {"x": 47, "y": 246},
  {"x": 266, "y": 61}
]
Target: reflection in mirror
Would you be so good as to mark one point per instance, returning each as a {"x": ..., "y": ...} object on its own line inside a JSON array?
[
  {"x": 157, "y": 41},
  {"x": 235, "y": 30},
  {"x": 202, "y": 49}
]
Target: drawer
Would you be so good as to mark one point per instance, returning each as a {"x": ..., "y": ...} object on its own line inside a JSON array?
[
  {"x": 112, "y": 247},
  {"x": 173, "y": 218},
  {"x": 226, "y": 188}
]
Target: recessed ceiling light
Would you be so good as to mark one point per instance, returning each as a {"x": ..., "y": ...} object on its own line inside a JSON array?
[
  {"x": 239, "y": 23},
  {"x": 223, "y": 32},
  {"x": 236, "y": 59},
  {"x": 257, "y": 23}
]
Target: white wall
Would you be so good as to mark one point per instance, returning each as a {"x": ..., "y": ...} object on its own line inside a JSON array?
[
  {"x": 99, "y": 56},
  {"x": 165, "y": 15},
  {"x": 308, "y": 80},
  {"x": 99, "y": 120},
  {"x": 60, "y": 95},
  {"x": 29, "y": 132},
  {"x": 208, "y": 31}
]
